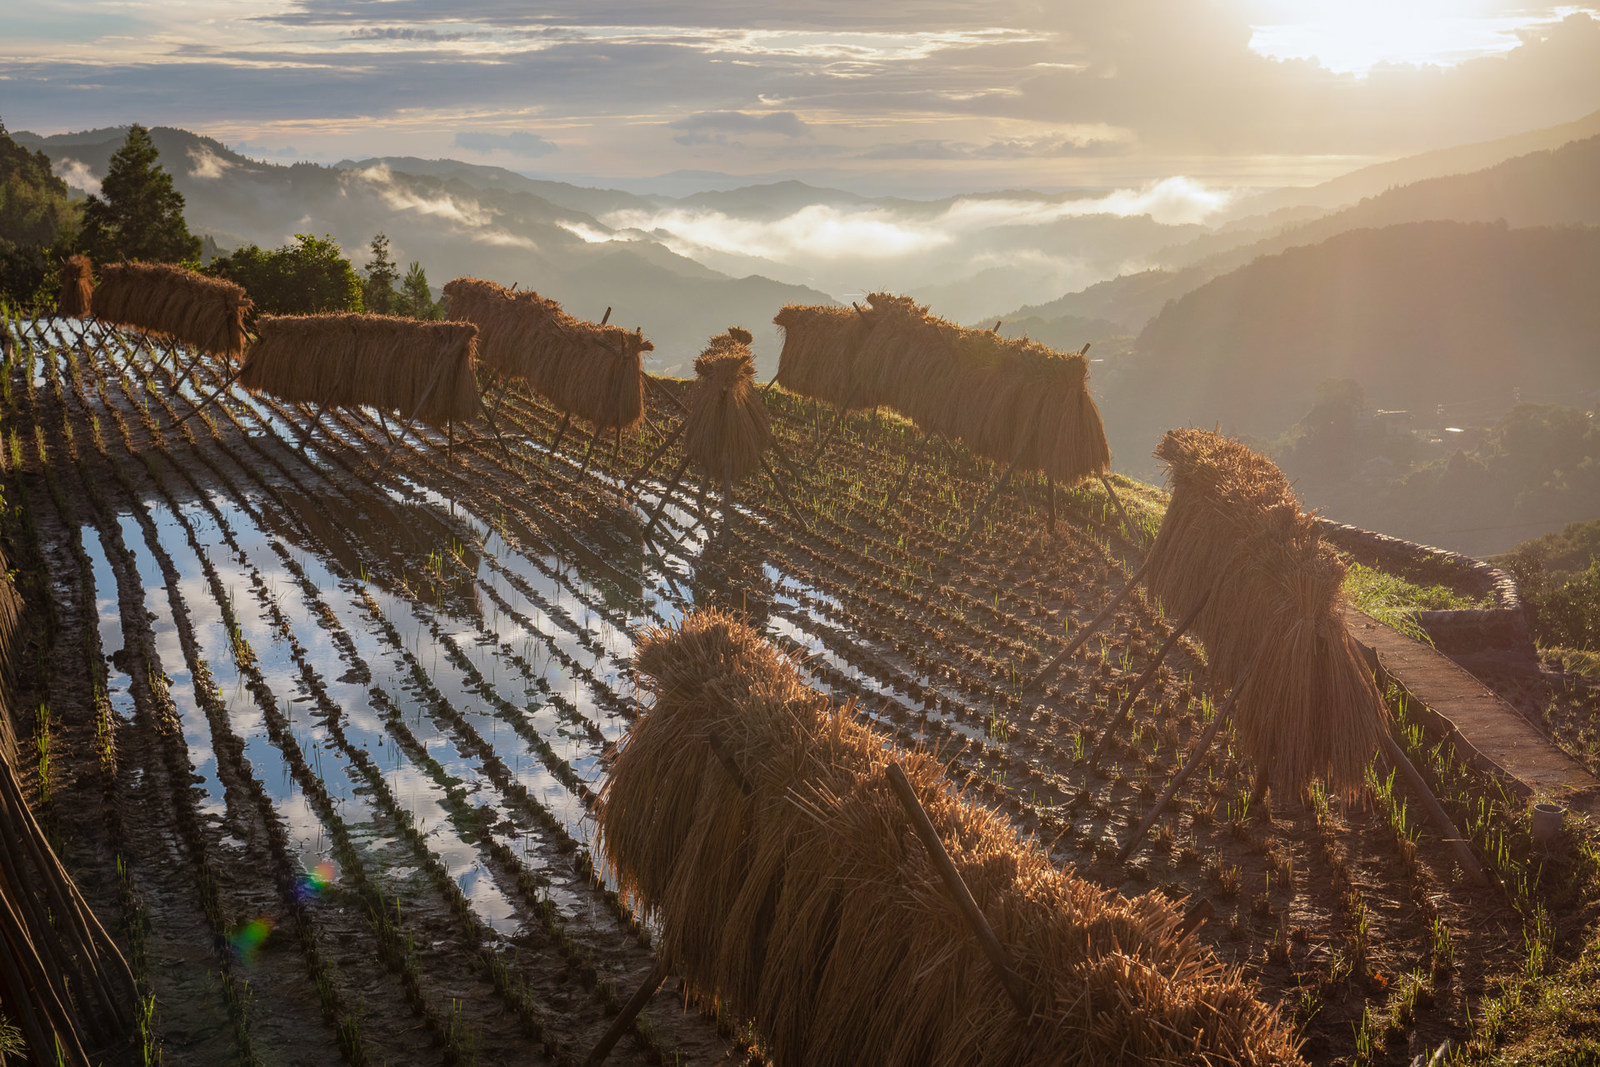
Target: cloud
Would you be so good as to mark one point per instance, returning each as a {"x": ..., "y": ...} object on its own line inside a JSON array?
[
  {"x": 204, "y": 163},
  {"x": 463, "y": 213},
  {"x": 828, "y": 233},
  {"x": 77, "y": 174},
  {"x": 1046, "y": 147},
  {"x": 516, "y": 142}
]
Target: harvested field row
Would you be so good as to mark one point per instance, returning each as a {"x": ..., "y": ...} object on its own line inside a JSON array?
[{"x": 396, "y": 680}]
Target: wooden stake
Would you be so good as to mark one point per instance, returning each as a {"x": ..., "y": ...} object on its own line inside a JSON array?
[
  {"x": 905, "y": 475},
  {"x": 1127, "y": 523},
  {"x": 561, "y": 431},
  {"x": 1441, "y": 820},
  {"x": 977, "y": 518},
  {"x": 589, "y": 451},
  {"x": 224, "y": 387},
  {"x": 666, "y": 494},
  {"x": 630, "y": 1011},
  {"x": 1144, "y": 678},
  {"x": 1050, "y": 495},
  {"x": 1196, "y": 753},
  {"x": 1087, "y": 630},
  {"x": 660, "y": 451},
  {"x": 606, "y": 317},
  {"x": 794, "y": 512},
  {"x": 999, "y": 958}
]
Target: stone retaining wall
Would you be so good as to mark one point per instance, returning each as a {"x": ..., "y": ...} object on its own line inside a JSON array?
[{"x": 1502, "y": 628}]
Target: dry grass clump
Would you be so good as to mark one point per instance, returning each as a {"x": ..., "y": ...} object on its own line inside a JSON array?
[
  {"x": 793, "y": 890},
  {"x": 586, "y": 370},
  {"x": 726, "y": 429},
  {"x": 1310, "y": 709},
  {"x": 76, "y": 287},
  {"x": 1009, "y": 400},
  {"x": 168, "y": 301},
  {"x": 378, "y": 361}
]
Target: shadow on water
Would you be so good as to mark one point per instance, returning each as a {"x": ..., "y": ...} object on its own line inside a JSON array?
[
  {"x": 401, "y": 548},
  {"x": 731, "y": 572}
]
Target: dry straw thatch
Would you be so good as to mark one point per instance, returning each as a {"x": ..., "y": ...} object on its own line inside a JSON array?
[
  {"x": 586, "y": 370},
  {"x": 1010, "y": 400},
  {"x": 726, "y": 430},
  {"x": 168, "y": 301},
  {"x": 793, "y": 890},
  {"x": 1309, "y": 709},
  {"x": 76, "y": 289},
  {"x": 378, "y": 361}
]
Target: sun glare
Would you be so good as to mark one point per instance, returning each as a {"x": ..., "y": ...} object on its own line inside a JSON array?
[{"x": 1354, "y": 36}]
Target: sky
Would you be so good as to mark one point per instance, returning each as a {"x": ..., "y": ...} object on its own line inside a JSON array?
[{"x": 919, "y": 95}]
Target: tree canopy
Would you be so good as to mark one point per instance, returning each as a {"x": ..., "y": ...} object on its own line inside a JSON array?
[
  {"x": 378, "y": 291},
  {"x": 37, "y": 221},
  {"x": 140, "y": 214},
  {"x": 302, "y": 278}
]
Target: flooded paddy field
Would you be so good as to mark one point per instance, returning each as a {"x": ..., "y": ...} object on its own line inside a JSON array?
[{"x": 327, "y": 706}]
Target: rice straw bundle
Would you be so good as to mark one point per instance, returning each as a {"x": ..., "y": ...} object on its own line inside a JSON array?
[
  {"x": 726, "y": 429},
  {"x": 591, "y": 371},
  {"x": 798, "y": 895},
  {"x": 378, "y": 361},
  {"x": 76, "y": 290},
  {"x": 1310, "y": 708},
  {"x": 822, "y": 353},
  {"x": 168, "y": 301},
  {"x": 1009, "y": 400}
]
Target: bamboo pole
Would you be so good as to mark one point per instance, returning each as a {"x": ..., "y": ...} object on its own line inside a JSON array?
[
  {"x": 588, "y": 452},
  {"x": 777, "y": 484},
  {"x": 660, "y": 451},
  {"x": 1144, "y": 678},
  {"x": 1197, "y": 752},
  {"x": 561, "y": 431},
  {"x": 905, "y": 475},
  {"x": 1087, "y": 630},
  {"x": 999, "y": 958},
  {"x": 630, "y": 1011},
  {"x": 977, "y": 517},
  {"x": 225, "y": 386},
  {"x": 1441, "y": 819},
  {"x": 1127, "y": 523},
  {"x": 666, "y": 493}
]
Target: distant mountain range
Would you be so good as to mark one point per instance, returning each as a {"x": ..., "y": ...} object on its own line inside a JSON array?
[
  {"x": 458, "y": 220},
  {"x": 1459, "y": 314}
]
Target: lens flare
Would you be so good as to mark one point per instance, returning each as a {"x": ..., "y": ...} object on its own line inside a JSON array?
[
  {"x": 314, "y": 882},
  {"x": 247, "y": 940}
]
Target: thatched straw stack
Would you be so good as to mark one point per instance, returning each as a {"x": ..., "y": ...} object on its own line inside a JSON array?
[
  {"x": 823, "y": 356},
  {"x": 1009, "y": 400},
  {"x": 1310, "y": 709},
  {"x": 76, "y": 290},
  {"x": 802, "y": 898},
  {"x": 168, "y": 301},
  {"x": 587, "y": 370},
  {"x": 378, "y": 361},
  {"x": 726, "y": 429}
]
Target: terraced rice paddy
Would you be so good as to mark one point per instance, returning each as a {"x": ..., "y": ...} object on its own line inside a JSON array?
[{"x": 325, "y": 716}]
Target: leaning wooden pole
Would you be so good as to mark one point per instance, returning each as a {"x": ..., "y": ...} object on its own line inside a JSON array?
[
  {"x": 1441, "y": 819},
  {"x": 1087, "y": 631},
  {"x": 1197, "y": 752},
  {"x": 1144, "y": 678},
  {"x": 777, "y": 483},
  {"x": 1127, "y": 523},
  {"x": 983, "y": 508},
  {"x": 661, "y": 450},
  {"x": 998, "y": 957},
  {"x": 630, "y": 1011}
]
